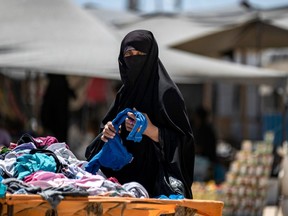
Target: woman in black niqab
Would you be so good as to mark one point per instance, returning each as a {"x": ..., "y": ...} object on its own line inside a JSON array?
[{"x": 148, "y": 88}]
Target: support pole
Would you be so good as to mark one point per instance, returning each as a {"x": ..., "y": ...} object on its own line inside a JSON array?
[{"x": 285, "y": 100}]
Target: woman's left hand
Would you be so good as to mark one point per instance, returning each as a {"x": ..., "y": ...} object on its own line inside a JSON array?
[
  {"x": 151, "y": 130},
  {"x": 130, "y": 121}
]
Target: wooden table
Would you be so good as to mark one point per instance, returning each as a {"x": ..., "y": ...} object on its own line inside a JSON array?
[{"x": 35, "y": 205}]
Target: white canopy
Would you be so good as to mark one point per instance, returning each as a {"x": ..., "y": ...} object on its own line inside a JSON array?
[
  {"x": 191, "y": 68},
  {"x": 255, "y": 33},
  {"x": 55, "y": 36},
  {"x": 169, "y": 29},
  {"x": 187, "y": 67},
  {"x": 59, "y": 37}
]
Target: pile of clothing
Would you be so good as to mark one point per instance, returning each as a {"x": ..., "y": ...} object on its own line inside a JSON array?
[{"x": 44, "y": 166}]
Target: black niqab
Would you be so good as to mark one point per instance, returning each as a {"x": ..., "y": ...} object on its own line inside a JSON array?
[{"x": 150, "y": 90}]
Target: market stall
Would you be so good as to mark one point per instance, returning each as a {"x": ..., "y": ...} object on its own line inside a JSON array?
[{"x": 41, "y": 176}]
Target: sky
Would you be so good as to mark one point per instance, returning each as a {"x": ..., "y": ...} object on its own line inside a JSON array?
[{"x": 167, "y": 5}]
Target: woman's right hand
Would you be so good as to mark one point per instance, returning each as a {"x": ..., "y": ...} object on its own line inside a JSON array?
[{"x": 108, "y": 132}]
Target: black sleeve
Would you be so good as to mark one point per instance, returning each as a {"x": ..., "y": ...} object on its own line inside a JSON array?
[
  {"x": 94, "y": 147},
  {"x": 176, "y": 138}
]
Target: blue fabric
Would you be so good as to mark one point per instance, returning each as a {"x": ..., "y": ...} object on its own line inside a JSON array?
[
  {"x": 30, "y": 163},
  {"x": 139, "y": 127},
  {"x": 172, "y": 197},
  {"x": 114, "y": 155},
  {"x": 3, "y": 190}
]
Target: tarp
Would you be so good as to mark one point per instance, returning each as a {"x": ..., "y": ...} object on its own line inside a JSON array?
[
  {"x": 168, "y": 28},
  {"x": 186, "y": 67},
  {"x": 55, "y": 36},
  {"x": 235, "y": 13},
  {"x": 190, "y": 68},
  {"x": 255, "y": 33},
  {"x": 59, "y": 37}
]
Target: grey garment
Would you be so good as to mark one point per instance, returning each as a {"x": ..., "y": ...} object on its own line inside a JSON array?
[
  {"x": 5, "y": 138},
  {"x": 65, "y": 155},
  {"x": 9, "y": 161},
  {"x": 74, "y": 167},
  {"x": 17, "y": 186},
  {"x": 54, "y": 195},
  {"x": 7, "y": 165},
  {"x": 137, "y": 189}
]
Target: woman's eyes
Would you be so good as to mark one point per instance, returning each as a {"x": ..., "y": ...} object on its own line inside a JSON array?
[{"x": 134, "y": 52}]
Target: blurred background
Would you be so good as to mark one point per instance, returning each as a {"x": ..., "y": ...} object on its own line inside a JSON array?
[{"x": 59, "y": 72}]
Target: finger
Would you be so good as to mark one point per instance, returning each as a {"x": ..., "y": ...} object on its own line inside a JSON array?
[
  {"x": 109, "y": 134},
  {"x": 111, "y": 127},
  {"x": 131, "y": 116},
  {"x": 131, "y": 122},
  {"x": 128, "y": 121},
  {"x": 128, "y": 126},
  {"x": 103, "y": 138}
]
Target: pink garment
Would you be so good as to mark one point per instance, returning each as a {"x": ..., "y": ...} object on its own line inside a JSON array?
[
  {"x": 45, "y": 141},
  {"x": 46, "y": 179},
  {"x": 43, "y": 176},
  {"x": 12, "y": 146},
  {"x": 113, "y": 179},
  {"x": 90, "y": 181}
]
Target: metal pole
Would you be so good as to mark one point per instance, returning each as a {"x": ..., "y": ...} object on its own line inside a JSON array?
[{"x": 285, "y": 100}]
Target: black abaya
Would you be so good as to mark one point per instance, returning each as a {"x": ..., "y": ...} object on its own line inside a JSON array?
[{"x": 148, "y": 88}]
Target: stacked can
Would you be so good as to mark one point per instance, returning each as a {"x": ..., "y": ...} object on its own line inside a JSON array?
[{"x": 246, "y": 182}]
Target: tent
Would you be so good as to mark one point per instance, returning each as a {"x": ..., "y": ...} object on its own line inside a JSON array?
[
  {"x": 55, "y": 36},
  {"x": 235, "y": 13},
  {"x": 60, "y": 37},
  {"x": 255, "y": 33},
  {"x": 190, "y": 68},
  {"x": 187, "y": 67}
]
